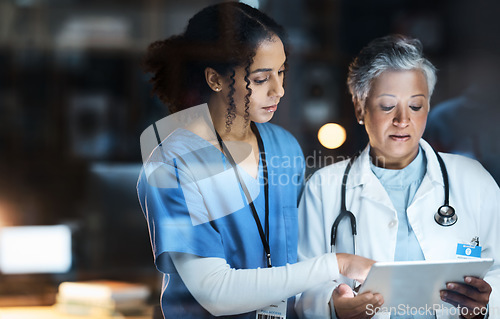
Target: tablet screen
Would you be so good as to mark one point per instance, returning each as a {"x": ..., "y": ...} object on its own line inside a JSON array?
[{"x": 418, "y": 283}]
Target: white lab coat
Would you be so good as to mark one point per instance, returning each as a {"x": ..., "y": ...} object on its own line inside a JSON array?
[{"x": 473, "y": 193}]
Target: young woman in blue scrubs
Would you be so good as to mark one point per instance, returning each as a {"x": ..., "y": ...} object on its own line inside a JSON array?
[{"x": 220, "y": 255}]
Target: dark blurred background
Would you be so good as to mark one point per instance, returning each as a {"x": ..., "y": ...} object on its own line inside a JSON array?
[{"x": 74, "y": 101}]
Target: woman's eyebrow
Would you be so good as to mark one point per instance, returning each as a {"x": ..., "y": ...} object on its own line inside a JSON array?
[
  {"x": 265, "y": 69},
  {"x": 261, "y": 70},
  {"x": 385, "y": 94}
]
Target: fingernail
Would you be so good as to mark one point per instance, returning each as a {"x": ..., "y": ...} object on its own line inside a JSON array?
[
  {"x": 450, "y": 286},
  {"x": 443, "y": 294},
  {"x": 468, "y": 279}
]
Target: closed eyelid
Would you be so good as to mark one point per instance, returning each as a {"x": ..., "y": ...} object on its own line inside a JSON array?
[
  {"x": 387, "y": 108},
  {"x": 260, "y": 81},
  {"x": 419, "y": 99},
  {"x": 416, "y": 103},
  {"x": 263, "y": 79},
  {"x": 384, "y": 100},
  {"x": 266, "y": 76}
]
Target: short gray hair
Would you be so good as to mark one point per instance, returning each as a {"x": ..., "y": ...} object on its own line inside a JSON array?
[{"x": 389, "y": 53}]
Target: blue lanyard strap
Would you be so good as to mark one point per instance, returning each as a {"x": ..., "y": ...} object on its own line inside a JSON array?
[{"x": 264, "y": 236}]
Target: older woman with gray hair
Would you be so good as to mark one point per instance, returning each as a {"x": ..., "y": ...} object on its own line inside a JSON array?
[{"x": 394, "y": 192}]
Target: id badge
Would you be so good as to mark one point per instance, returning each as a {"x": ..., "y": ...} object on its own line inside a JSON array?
[
  {"x": 276, "y": 311},
  {"x": 468, "y": 251}
]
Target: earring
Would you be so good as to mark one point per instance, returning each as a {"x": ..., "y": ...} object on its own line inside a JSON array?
[
  {"x": 217, "y": 89},
  {"x": 361, "y": 122}
]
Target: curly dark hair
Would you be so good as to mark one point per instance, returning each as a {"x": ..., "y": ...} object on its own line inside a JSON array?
[{"x": 222, "y": 36}]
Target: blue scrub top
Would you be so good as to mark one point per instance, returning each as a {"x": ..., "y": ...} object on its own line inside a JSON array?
[{"x": 193, "y": 204}]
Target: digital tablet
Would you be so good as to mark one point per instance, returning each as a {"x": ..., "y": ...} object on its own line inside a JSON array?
[{"x": 417, "y": 283}]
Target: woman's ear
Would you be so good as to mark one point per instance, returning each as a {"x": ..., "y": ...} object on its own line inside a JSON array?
[
  {"x": 359, "y": 109},
  {"x": 214, "y": 80}
]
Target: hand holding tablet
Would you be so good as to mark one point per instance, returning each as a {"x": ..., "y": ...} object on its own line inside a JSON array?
[
  {"x": 418, "y": 284},
  {"x": 472, "y": 296}
]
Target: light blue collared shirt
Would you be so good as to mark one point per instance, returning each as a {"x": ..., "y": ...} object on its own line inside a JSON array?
[{"x": 401, "y": 185}]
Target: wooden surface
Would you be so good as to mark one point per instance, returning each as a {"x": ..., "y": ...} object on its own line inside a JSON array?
[{"x": 50, "y": 312}]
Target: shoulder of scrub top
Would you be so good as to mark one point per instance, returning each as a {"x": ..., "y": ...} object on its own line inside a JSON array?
[
  {"x": 182, "y": 154},
  {"x": 177, "y": 144}
]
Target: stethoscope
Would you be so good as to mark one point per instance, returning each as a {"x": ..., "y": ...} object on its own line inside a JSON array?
[{"x": 445, "y": 215}]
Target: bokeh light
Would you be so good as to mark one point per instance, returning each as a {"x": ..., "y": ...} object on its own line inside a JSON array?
[{"x": 331, "y": 135}]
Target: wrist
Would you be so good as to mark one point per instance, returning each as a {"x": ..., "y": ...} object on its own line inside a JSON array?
[
  {"x": 481, "y": 314},
  {"x": 342, "y": 261}
]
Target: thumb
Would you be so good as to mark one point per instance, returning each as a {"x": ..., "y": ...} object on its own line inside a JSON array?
[{"x": 343, "y": 290}]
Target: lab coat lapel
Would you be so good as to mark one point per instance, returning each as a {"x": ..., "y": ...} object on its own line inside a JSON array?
[
  {"x": 362, "y": 175},
  {"x": 375, "y": 192},
  {"x": 374, "y": 211},
  {"x": 429, "y": 196},
  {"x": 432, "y": 176}
]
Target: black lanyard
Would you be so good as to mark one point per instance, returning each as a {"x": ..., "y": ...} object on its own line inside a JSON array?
[{"x": 263, "y": 236}]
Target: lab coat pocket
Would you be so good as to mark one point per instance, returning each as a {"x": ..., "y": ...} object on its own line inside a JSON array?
[
  {"x": 291, "y": 231},
  {"x": 441, "y": 242}
]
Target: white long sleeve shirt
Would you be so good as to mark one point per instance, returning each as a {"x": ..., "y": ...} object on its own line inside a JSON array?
[{"x": 223, "y": 290}]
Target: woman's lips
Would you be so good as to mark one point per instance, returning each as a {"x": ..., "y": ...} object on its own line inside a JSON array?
[
  {"x": 400, "y": 137},
  {"x": 271, "y": 108}
]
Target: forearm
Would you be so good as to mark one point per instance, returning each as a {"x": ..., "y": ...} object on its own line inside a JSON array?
[{"x": 224, "y": 291}]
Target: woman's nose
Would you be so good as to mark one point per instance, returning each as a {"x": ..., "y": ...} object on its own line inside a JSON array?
[
  {"x": 401, "y": 118},
  {"x": 277, "y": 88}
]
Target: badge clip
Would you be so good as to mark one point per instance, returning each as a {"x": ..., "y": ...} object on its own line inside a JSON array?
[{"x": 471, "y": 250}]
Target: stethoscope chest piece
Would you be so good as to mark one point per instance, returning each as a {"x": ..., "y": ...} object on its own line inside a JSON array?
[{"x": 446, "y": 216}]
